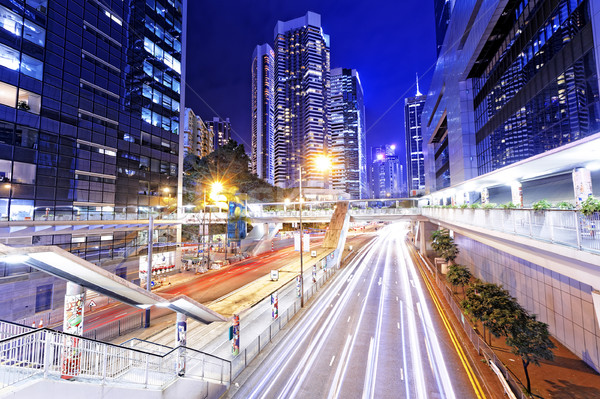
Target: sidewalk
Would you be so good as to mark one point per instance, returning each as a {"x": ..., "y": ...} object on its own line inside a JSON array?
[{"x": 567, "y": 376}]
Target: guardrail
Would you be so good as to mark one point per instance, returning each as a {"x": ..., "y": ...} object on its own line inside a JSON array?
[
  {"x": 46, "y": 353},
  {"x": 116, "y": 328},
  {"x": 328, "y": 212},
  {"x": 253, "y": 349},
  {"x": 566, "y": 227}
]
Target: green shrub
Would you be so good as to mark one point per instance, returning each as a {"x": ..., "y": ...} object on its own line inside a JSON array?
[
  {"x": 541, "y": 205},
  {"x": 464, "y": 206},
  {"x": 509, "y": 205},
  {"x": 590, "y": 206},
  {"x": 475, "y": 206},
  {"x": 565, "y": 205},
  {"x": 490, "y": 205}
]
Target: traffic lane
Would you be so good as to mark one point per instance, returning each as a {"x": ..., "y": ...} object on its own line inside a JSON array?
[
  {"x": 432, "y": 331},
  {"x": 263, "y": 378},
  {"x": 313, "y": 343}
]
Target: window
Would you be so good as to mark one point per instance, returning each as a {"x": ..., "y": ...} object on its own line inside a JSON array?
[
  {"x": 146, "y": 115},
  {"x": 29, "y": 101},
  {"x": 21, "y": 209},
  {"x": 5, "y": 171},
  {"x": 40, "y": 5},
  {"x": 34, "y": 33},
  {"x": 43, "y": 298},
  {"x": 8, "y": 94},
  {"x": 26, "y": 137},
  {"x": 11, "y": 21},
  {"x": 32, "y": 67},
  {"x": 23, "y": 173},
  {"x": 147, "y": 91},
  {"x": 9, "y": 57},
  {"x": 4, "y": 208}
]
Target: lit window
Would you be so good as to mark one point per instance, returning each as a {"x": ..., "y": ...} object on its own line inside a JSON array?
[
  {"x": 11, "y": 21},
  {"x": 9, "y": 57},
  {"x": 34, "y": 33},
  {"x": 29, "y": 101},
  {"x": 40, "y": 5},
  {"x": 8, "y": 94},
  {"x": 32, "y": 67}
]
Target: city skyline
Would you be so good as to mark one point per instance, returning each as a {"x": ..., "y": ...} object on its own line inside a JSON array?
[{"x": 227, "y": 90}]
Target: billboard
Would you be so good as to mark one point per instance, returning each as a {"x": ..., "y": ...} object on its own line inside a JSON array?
[{"x": 236, "y": 221}]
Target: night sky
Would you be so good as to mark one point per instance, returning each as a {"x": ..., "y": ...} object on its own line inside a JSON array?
[{"x": 386, "y": 41}]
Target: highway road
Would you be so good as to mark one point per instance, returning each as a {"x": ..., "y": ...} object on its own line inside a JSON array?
[
  {"x": 372, "y": 334},
  {"x": 207, "y": 287}
]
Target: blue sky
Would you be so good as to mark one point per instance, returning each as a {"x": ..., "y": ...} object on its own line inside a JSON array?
[{"x": 386, "y": 41}]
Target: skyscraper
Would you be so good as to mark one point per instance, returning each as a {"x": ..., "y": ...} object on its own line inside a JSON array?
[
  {"x": 348, "y": 133},
  {"x": 415, "y": 162},
  {"x": 221, "y": 129},
  {"x": 386, "y": 180},
  {"x": 263, "y": 70},
  {"x": 301, "y": 100},
  {"x": 198, "y": 139},
  {"x": 89, "y": 128}
]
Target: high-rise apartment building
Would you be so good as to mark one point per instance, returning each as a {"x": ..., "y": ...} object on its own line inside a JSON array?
[
  {"x": 415, "y": 161},
  {"x": 386, "y": 176},
  {"x": 89, "y": 129},
  {"x": 514, "y": 80},
  {"x": 301, "y": 100},
  {"x": 348, "y": 133},
  {"x": 221, "y": 129},
  {"x": 263, "y": 102},
  {"x": 198, "y": 139}
]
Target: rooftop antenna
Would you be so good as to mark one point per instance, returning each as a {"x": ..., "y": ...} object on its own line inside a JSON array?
[{"x": 418, "y": 92}]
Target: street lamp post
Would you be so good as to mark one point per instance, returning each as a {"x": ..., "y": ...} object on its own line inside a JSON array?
[{"x": 301, "y": 233}]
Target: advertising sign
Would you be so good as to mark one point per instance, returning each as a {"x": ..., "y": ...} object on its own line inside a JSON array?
[
  {"x": 162, "y": 262},
  {"x": 274, "y": 305},
  {"x": 314, "y": 273},
  {"x": 72, "y": 324},
  {"x": 298, "y": 286},
  {"x": 582, "y": 184},
  {"x": 236, "y": 221},
  {"x": 181, "y": 341},
  {"x": 235, "y": 348}
]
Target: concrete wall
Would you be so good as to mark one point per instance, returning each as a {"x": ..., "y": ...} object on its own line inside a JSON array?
[{"x": 563, "y": 303}]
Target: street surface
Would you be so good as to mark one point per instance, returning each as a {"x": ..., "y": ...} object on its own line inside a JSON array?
[{"x": 371, "y": 334}]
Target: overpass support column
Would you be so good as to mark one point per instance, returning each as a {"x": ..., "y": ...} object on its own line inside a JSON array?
[
  {"x": 181, "y": 337},
  {"x": 425, "y": 230},
  {"x": 72, "y": 324},
  {"x": 582, "y": 184}
]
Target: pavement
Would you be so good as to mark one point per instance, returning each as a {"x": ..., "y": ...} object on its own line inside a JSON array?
[{"x": 567, "y": 376}]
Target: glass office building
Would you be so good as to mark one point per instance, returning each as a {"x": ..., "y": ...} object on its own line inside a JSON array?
[
  {"x": 529, "y": 86},
  {"x": 263, "y": 60},
  {"x": 415, "y": 162},
  {"x": 90, "y": 104}
]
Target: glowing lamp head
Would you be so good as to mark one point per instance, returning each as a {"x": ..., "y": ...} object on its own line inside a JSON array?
[
  {"x": 380, "y": 157},
  {"x": 393, "y": 146},
  {"x": 286, "y": 201},
  {"x": 323, "y": 163},
  {"x": 217, "y": 187}
]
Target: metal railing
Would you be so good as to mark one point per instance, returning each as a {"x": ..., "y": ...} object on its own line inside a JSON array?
[
  {"x": 329, "y": 212},
  {"x": 253, "y": 349},
  {"x": 566, "y": 227},
  {"x": 478, "y": 343},
  {"x": 46, "y": 353},
  {"x": 116, "y": 328},
  {"x": 9, "y": 329}
]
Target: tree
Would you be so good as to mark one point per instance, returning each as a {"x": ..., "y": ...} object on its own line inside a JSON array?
[
  {"x": 530, "y": 339},
  {"x": 493, "y": 306},
  {"x": 444, "y": 245},
  {"x": 458, "y": 275}
]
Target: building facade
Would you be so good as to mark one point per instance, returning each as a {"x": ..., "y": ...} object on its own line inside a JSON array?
[
  {"x": 263, "y": 109},
  {"x": 90, "y": 106},
  {"x": 442, "y": 10},
  {"x": 348, "y": 133},
  {"x": 221, "y": 129},
  {"x": 302, "y": 85},
  {"x": 524, "y": 80},
  {"x": 386, "y": 176},
  {"x": 415, "y": 161},
  {"x": 198, "y": 139}
]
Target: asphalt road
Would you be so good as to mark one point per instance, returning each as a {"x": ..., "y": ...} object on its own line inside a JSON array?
[{"x": 372, "y": 334}]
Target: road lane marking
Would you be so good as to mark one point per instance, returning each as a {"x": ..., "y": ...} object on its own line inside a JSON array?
[
  {"x": 348, "y": 321},
  {"x": 332, "y": 359},
  {"x": 398, "y": 324},
  {"x": 401, "y": 374},
  {"x": 396, "y": 299},
  {"x": 412, "y": 282},
  {"x": 459, "y": 350}
]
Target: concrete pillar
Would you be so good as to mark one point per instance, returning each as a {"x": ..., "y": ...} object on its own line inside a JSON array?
[
  {"x": 181, "y": 337},
  {"x": 516, "y": 191},
  {"x": 582, "y": 184},
  {"x": 72, "y": 324}
]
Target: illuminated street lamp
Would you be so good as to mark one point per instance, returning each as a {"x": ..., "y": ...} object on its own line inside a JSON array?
[{"x": 322, "y": 163}]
